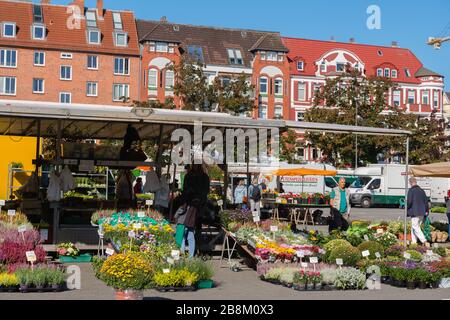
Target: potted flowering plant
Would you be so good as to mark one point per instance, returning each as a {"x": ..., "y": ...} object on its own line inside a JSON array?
[
  {"x": 300, "y": 280},
  {"x": 316, "y": 278},
  {"x": 69, "y": 253}
]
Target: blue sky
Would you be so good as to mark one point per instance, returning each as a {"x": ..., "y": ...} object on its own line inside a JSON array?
[{"x": 408, "y": 22}]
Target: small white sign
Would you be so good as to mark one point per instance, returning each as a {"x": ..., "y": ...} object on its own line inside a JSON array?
[
  {"x": 304, "y": 265},
  {"x": 22, "y": 228},
  {"x": 2, "y": 203},
  {"x": 340, "y": 262},
  {"x": 11, "y": 213},
  {"x": 141, "y": 214},
  {"x": 407, "y": 256},
  {"x": 137, "y": 226},
  {"x": 380, "y": 231},
  {"x": 430, "y": 253},
  {"x": 435, "y": 245},
  {"x": 149, "y": 202},
  {"x": 314, "y": 260},
  {"x": 166, "y": 270},
  {"x": 366, "y": 253},
  {"x": 279, "y": 200},
  {"x": 220, "y": 203},
  {"x": 300, "y": 254},
  {"x": 131, "y": 234},
  {"x": 273, "y": 228},
  {"x": 109, "y": 252},
  {"x": 366, "y": 237},
  {"x": 378, "y": 255},
  {"x": 31, "y": 256},
  {"x": 175, "y": 253},
  {"x": 256, "y": 219},
  {"x": 170, "y": 261}
]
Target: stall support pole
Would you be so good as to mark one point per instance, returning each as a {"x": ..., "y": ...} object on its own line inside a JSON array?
[
  {"x": 160, "y": 151},
  {"x": 58, "y": 142},
  {"x": 38, "y": 155},
  {"x": 406, "y": 192},
  {"x": 225, "y": 186}
]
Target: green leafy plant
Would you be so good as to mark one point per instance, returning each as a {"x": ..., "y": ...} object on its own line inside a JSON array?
[
  {"x": 441, "y": 251},
  {"x": 274, "y": 274},
  {"x": 387, "y": 239},
  {"x": 203, "y": 270},
  {"x": 287, "y": 275},
  {"x": 350, "y": 279},
  {"x": 333, "y": 244},
  {"x": 416, "y": 256},
  {"x": 25, "y": 276},
  {"x": 350, "y": 255},
  {"x": 8, "y": 280},
  {"x": 373, "y": 247},
  {"x": 39, "y": 277},
  {"x": 175, "y": 278},
  {"x": 329, "y": 276}
]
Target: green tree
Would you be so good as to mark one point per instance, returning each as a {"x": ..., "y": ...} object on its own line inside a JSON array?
[{"x": 289, "y": 146}]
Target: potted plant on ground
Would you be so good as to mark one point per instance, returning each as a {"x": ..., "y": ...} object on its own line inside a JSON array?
[
  {"x": 204, "y": 272},
  {"x": 328, "y": 279},
  {"x": 8, "y": 282},
  {"x": 56, "y": 279},
  {"x": 300, "y": 280},
  {"x": 316, "y": 278},
  {"x": 25, "y": 278},
  {"x": 175, "y": 279},
  {"x": 350, "y": 279},
  {"x": 69, "y": 253},
  {"x": 39, "y": 279},
  {"x": 411, "y": 277},
  {"x": 422, "y": 277}
]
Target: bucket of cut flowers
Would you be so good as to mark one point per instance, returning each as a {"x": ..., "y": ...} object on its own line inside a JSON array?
[{"x": 69, "y": 253}]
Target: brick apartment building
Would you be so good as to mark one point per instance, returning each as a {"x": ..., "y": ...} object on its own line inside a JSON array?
[{"x": 65, "y": 54}]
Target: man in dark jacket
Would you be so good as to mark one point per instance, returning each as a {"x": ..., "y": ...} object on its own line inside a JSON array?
[{"x": 417, "y": 209}]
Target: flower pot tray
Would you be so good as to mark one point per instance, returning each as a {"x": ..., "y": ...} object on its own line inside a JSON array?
[
  {"x": 176, "y": 289},
  {"x": 43, "y": 290},
  {"x": 84, "y": 258},
  {"x": 205, "y": 284},
  {"x": 9, "y": 289}
]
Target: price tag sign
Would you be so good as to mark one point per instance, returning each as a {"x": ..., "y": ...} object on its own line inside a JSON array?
[
  {"x": 300, "y": 254},
  {"x": 131, "y": 234},
  {"x": 31, "y": 256},
  {"x": 170, "y": 261},
  {"x": 137, "y": 226},
  {"x": 279, "y": 200},
  {"x": 149, "y": 202},
  {"x": 273, "y": 228},
  {"x": 380, "y": 231},
  {"x": 109, "y": 252},
  {"x": 435, "y": 245},
  {"x": 220, "y": 203},
  {"x": 2, "y": 203},
  {"x": 430, "y": 253},
  {"x": 366, "y": 237},
  {"x": 407, "y": 256},
  {"x": 304, "y": 265},
  {"x": 314, "y": 260},
  {"x": 11, "y": 213},
  {"x": 166, "y": 270},
  {"x": 175, "y": 253},
  {"x": 366, "y": 254},
  {"x": 256, "y": 219},
  {"x": 378, "y": 255},
  {"x": 340, "y": 262},
  {"x": 22, "y": 229},
  {"x": 141, "y": 214}
]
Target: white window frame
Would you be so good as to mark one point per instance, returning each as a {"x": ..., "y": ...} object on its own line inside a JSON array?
[
  {"x": 394, "y": 74},
  {"x": 153, "y": 74},
  {"x": 60, "y": 73},
  {"x": 278, "y": 115},
  {"x": 387, "y": 73},
  {"x": 272, "y": 56},
  {"x": 297, "y": 114},
  {"x": 34, "y": 58},
  {"x": 34, "y": 27},
  {"x": 3, "y": 90},
  {"x": 263, "y": 55},
  {"x": 5, "y": 24},
  {"x": 397, "y": 93},
  {"x": 116, "y": 35},
  {"x": 99, "y": 36},
  {"x": 235, "y": 55},
  {"x": 280, "y": 57},
  {"x": 159, "y": 47},
  {"x": 436, "y": 99},
  {"x": 169, "y": 86},
  {"x": 379, "y": 72},
  {"x": 301, "y": 85},
  {"x": 414, "y": 96},
  {"x": 3, "y": 63},
  {"x": 96, "y": 62},
  {"x": 260, "y": 108},
  {"x": 302, "y": 68},
  {"x": 123, "y": 86},
  {"x": 90, "y": 83},
  {"x": 66, "y": 55},
  {"x": 65, "y": 93},
  {"x": 276, "y": 83},
  {"x": 426, "y": 94},
  {"x": 408, "y": 73},
  {"x": 125, "y": 71},
  {"x": 267, "y": 85},
  {"x": 43, "y": 86},
  {"x": 94, "y": 14},
  {"x": 117, "y": 19},
  {"x": 343, "y": 66}
]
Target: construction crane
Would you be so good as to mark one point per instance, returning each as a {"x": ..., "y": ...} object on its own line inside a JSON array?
[{"x": 438, "y": 41}]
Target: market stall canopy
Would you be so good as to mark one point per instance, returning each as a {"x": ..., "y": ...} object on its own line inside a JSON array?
[
  {"x": 435, "y": 170},
  {"x": 301, "y": 172}
]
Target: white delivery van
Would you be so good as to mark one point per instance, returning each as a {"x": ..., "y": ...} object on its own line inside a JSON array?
[{"x": 384, "y": 184}]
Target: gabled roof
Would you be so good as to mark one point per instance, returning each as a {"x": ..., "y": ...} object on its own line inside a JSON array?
[
  {"x": 312, "y": 50},
  {"x": 424, "y": 72},
  {"x": 213, "y": 41},
  {"x": 59, "y": 36},
  {"x": 447, "y": 94}
]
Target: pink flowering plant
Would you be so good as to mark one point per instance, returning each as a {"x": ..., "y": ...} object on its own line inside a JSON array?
[{"x": 68, "y": 250}]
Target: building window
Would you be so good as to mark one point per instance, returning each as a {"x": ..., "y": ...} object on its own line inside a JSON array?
[
  {"x": 272, "y": 56},
  {"x": 121, "y": 39},
  {"x": 426, "y": 97},
  {"x": 94, "y": 36},
  {"x": 340, "y": 67},
  {"x": 235, "y": 56},
  {"x": 39, "y": 58},
  {"x": 408, "y": 73},
  {"x": 196, "y": 53},
  {"x": 9, "y": 30},
  {"x": 263, "y": 55},
  {"x": 121, "y": 92},
  {"x": 117, "y": 21},
  {"x": 397, "y": 98},
  {"x": 92, "y": 89},
  {"x": 279, "y": 87},
  {"x": 162, "y": 47},
  {"x": 394, "y": 74},
  {"x": 263, "y": 85},
  {"x": 65, "y": 97},
  {"x": 38, "y": 85},
  {"x": 66, "y": 55},
  {"x": 262, "y": 112},
  {"x": 411, "y": 96},
  {"x": 38, "y": 32},
  {"x": 379, "y": 72},
  {"x": 301, "y": 154},
  {"x": 92, "y": 62},
  {"x": 8, "y": 58},
  {"x": 91, "y": 19},
  {"x": 300, "y": 116},
  {"x": 121, "y": 66},
  {"x": 387, "y": 73},
  {"x": 8, "y": 86},
  {"x": 436, "y": 99},
  {"x": 280, "y": 57},
  {"x": 301, "y": 92},
  {"x": 37, "y": 14},
  {"x": 278, "y": 112},
  {"x": 153, "y": 79},
  {"x": 66, "y": 73},
  {"x": 300, "y": 65},
  {"x": 170, "y": 81},
  {"x": 317, "y": 88}
]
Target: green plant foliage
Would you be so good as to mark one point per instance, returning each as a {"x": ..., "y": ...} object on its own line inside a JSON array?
[
  {"x": 350, "y": 255},
  {"x": 373, "y": 247}
]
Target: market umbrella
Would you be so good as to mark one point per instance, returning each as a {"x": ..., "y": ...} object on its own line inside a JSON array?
[
  {"x": 435, "y": 170},
  {"x": 304, "y": 172}
]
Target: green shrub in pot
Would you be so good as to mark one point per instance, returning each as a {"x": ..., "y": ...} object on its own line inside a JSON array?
[
  {"x": 349, "y": 255},
  {"x": 373, "y": 248},
  {"x": 350, "y": 279}
]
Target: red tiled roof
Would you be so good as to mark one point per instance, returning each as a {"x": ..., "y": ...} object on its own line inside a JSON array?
[
  {"x": 312, "y": 50},
  {"x": 59, "y": 36}
]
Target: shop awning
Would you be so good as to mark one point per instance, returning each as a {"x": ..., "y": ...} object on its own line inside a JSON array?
[
  {"x": 304, "y": 172},
  {"x": 435, "y": 170}
]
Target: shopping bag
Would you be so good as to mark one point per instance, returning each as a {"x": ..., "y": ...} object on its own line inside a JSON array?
[
  {"x": 179, "y": 234},
  {"x": 427, "y": 228}
]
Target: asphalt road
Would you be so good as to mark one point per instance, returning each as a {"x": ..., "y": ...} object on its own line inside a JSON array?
[{"x": 387, "y": 214}]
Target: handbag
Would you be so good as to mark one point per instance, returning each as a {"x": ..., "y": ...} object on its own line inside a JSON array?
[{"x": 179, "y": 234}]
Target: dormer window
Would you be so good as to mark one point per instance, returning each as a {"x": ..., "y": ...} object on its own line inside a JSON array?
[
  {"x": 117, "y": 19},
  {"x": 272, "y": 56},
  {"x": 340, "y": 67},
  {"x": 323, "y": 67},
  {"x": 263, "y": 55},
  {"x": 121, "y": 39},
  {"x": 300, "y": 65},
  {"x": 9, "y": 30},
  {"x": 235, "y": 56},
  {"x": 37, "y": 14},
  {"x": 387, "y": 73},
  {"x": 91, "y": 19},
  {"x": 408, "y": 73},
  {"x": 280, "y": 57},
  {"x": 94, "y": 37},
  {"x": 394, "y": 74},
  {"x": 162, "y": 47},
  {"x": 379, "y": 72},
  {"x": 38, "y": 32},
  {"x": 196, "y": 53}
]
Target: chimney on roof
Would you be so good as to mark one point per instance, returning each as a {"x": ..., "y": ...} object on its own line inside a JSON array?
[
  {"x": 394, "y": 44},
  {"x": 79, "y": 3},
  {"x": 352, "y": 40},
  {"x": 163, "y": 19},
  {"x": 46, "y": 1},
  {"x": 100, "y": 8}
]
